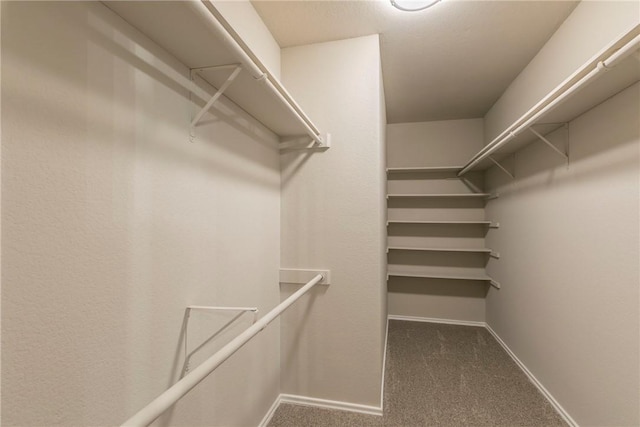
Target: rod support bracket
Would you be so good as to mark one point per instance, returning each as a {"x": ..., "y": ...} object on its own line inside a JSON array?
[
  {"x": 326, "y": 141},
  {"x": 511, "y": 173},
  {"x": 564, "y": 154},
  {"x": 212, "y": 100}
]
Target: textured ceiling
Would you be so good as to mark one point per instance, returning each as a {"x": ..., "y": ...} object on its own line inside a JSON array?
[{"x": 451, "y": 61}]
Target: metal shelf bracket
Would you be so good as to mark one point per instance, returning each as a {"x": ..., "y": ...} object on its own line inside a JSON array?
[
  {"x": 503, "y": 168},
  {"x": 494, "y": 284},
  {"x": 564, "y": 154},
  {"x": 240, "y": 311},
  {"x": 214, "y": 98}
]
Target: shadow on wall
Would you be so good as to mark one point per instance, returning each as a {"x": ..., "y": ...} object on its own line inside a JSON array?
[
  {"x": 117, "y": 38},
  {"x": 210, "y": 332},
  {"x": 301, "y": 312},
  {"x": 587, "y": 140}
]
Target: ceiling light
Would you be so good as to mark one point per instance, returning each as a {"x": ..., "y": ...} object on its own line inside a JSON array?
[{"x": 413, "y": 5}]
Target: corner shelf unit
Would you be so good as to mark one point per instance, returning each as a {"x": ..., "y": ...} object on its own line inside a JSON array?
[
  {"x": 432, "y": 244},
  {"x": 612, "y": 70},
  {"x": 196, "y": 33}
]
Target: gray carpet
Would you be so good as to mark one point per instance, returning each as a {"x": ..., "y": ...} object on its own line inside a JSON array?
[{"x": 441, "y": 375}]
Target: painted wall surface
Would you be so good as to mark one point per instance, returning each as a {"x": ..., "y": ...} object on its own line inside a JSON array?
[
  {"x": 383, "y": 205},
  {"x": 590, "y": 27},
  {"x": 441, "y": 143},
  {"x": 114, "y": 222},
  {"x": 332, "y": 210},
  {"x": 247, "y": 23},
  {"x": 568, "y": 306}
]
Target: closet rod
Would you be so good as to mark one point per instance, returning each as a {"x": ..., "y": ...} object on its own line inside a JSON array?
[
  {"x": 207, "y": 11},
  {"x": 167, "y": 399},
  {"x": 558, "y": 95}
]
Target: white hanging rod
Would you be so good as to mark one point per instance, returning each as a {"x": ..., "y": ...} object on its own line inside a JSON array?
[
  {"x": 558, "y": 95},
  {"x": 167, "y": 399},
  {"x": 251, "y": 64}
]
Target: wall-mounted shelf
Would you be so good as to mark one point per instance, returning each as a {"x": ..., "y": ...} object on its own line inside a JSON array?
[
  {"x": 441, "y": 196},
  {"x": 425, "y": 169},
  {"x": 614, "y": 69},
  {"x": 197, "y": 34},
  {"x": 477, "y": 277},
  {"x": 461, "y": 250},
  {"x": 437, "y": 276},
  {"x": 484, "y": 223}
]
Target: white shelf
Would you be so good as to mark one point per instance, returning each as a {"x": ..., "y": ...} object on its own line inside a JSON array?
[
  {"x": 477, "y": 277},
  {"x": 461, "y": 250},
  {"x": 485, "y": 223},
  {"x": 441, "y": 196},
  {"x": 582, "y": 98},
  {"x": 178, "y": 28},
  {"x": 425, "y": 169}
]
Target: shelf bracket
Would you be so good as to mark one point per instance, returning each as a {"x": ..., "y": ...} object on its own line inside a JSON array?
[
  {"x": 213, "y": 99},
  {"x": 187, "y": 315},
  {"x": 564, "y": 154},
  {"x": 494, "y": 284},
  {"x": 294, "y": 143},
  {"x": 495, "y": 255},
  {"x": 494, "y": 225},
  {"x": 502, "y": 168}
]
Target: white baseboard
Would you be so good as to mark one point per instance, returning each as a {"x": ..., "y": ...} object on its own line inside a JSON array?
[
  {"x": 272, "y": 410},
  {"x": 318, "y": 403},
  {"x": 436, "y": 320},
  {"x": 384, "y": 363},
  {"x": 374, "y": 410},
  {"x": 331, "y": 404},
  {"x": 564, "y": 414}
]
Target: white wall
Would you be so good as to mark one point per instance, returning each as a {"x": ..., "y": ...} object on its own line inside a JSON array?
[
  {"x": 569, "y": 270},
  {"x": 113, "y": 222},
  {"x": 244, "y": 19},
  {"x": 332, "y": 216},
  {"x": 568, "y": 240},
  {"x": 439, "y": 143},
  {"x": 590, "y": 27}
]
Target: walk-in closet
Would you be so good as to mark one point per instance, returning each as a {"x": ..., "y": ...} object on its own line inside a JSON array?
[{"x": 320, "y": 213}]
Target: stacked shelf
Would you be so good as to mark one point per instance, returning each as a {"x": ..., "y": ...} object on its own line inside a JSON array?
[{"x": 436, "y": 226}]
